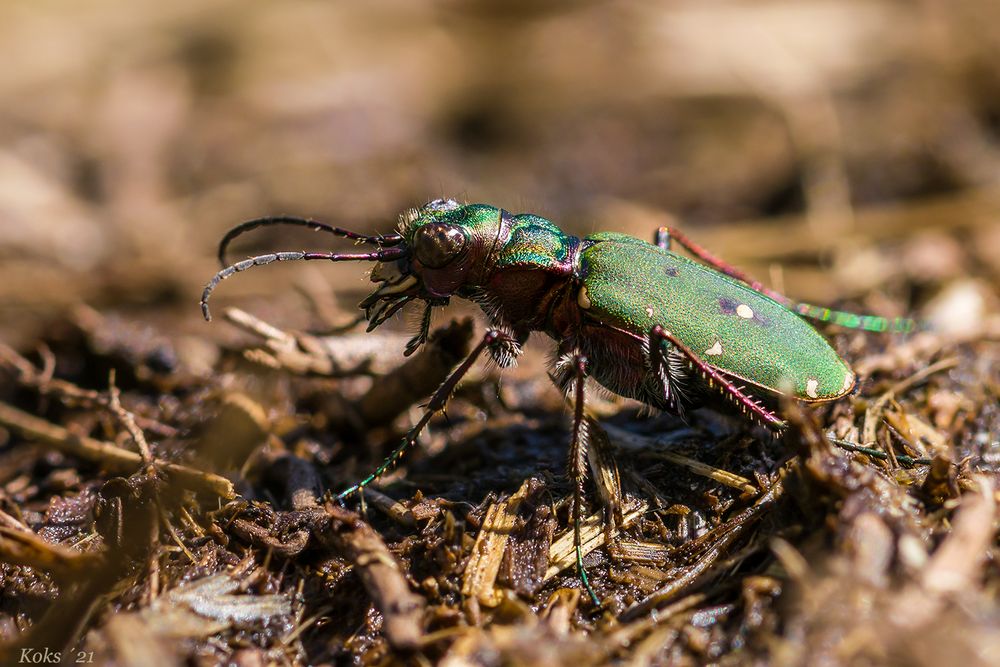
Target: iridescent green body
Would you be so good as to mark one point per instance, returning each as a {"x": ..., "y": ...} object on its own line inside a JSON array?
[
  {"x": 634, "y": 285},
  {"x": 644, "y": 322},
  {"x": 602, "y": 294}
]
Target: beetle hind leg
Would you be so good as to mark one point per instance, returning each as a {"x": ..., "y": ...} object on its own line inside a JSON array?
[
  {"x": 749, "y": 405},
  {"x": 665, "y": 235}
]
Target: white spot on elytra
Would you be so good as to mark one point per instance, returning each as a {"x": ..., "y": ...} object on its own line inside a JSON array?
[
  {"x": 812, "y": 388},
  {"x": 848, "y": 381},
  {"x": 649, "y": 310},
  {"x": 583, "y": 298},
  {"x": 715, "y": 350},
  {"x": 744, "y": 311}
]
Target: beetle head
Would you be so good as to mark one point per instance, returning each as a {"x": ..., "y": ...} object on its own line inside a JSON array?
[
  {"x": 446, "y": 248},
  {"x": 441, "y": 249}
]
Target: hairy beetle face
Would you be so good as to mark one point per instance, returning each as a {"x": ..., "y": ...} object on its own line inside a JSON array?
[
  {"x": 397, "y": 287},
  {"x": 446, "y": 248}
]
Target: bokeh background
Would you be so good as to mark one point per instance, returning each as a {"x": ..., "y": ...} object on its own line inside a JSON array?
[
  {"x": 846, "y": 152},
  {"x": 786, "y": 136}
]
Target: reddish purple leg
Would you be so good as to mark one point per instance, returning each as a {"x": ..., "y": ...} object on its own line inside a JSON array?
[
  {"x": 492, "y": 339},
  {"x": 665, "y": 235},
  {"x": 746, "y": 403}
]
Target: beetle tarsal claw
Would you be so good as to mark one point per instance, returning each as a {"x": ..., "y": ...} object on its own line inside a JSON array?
[{"x": 384, "y": 309}]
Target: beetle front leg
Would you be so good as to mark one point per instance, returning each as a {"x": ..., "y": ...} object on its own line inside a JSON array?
[
  {"x": 493, "y": 339},
  {"x": 577, "y": 465},
  {"x": 658, "y": 335},
  {"x": 421, "y": 336}
]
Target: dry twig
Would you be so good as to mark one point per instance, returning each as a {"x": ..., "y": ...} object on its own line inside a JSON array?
[
  {"x": 402, "y": 610},
  {"x": 108, "y": 455}
]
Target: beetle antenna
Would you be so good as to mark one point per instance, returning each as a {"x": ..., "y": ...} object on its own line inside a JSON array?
[
  {"x": 381, "y": 255},
  {"x": 380, "y": 240}
]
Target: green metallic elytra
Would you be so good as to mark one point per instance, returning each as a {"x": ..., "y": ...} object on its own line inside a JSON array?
[{"x": 748, "y": 335}]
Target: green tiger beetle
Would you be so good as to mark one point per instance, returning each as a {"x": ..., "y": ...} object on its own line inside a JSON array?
[{"x": 641, "y": 320}]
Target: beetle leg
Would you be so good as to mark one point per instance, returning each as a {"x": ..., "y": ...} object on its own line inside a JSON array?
[
  {"x": 841, "y": 318},
  {"x": 506, "y": 351},
  {"x": 577, "y": 465},
  {"x": 662, "y": 238},
  {"x": 421, "y": 337},
  {"x": 491, "y": 339},
  {"x": 746, "y": 403},
  {"x": 667, "y": 374}
]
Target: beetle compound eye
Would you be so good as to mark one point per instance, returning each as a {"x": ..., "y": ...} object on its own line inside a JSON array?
[{"x": 436, "y": 244}]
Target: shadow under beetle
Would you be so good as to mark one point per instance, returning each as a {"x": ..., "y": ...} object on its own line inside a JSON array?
[{"x": 642, "y": 321}]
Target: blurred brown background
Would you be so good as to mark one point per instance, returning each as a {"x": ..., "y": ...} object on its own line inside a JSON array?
[
  {"x": 133, "y": 134},
  {"x": 845, "y": 152}
]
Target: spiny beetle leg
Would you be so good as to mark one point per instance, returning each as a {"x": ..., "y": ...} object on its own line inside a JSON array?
[
  {"x": 658, "y": 335},
  {"x": 577, "y": 466},
  {"x": 491, "y": 339},
  {"x": 664, "y": 236},
  {"x": 421, "y": 336}
]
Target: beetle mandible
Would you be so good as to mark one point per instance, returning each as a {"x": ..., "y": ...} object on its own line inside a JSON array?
[{"x": 642, "y": 321}]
